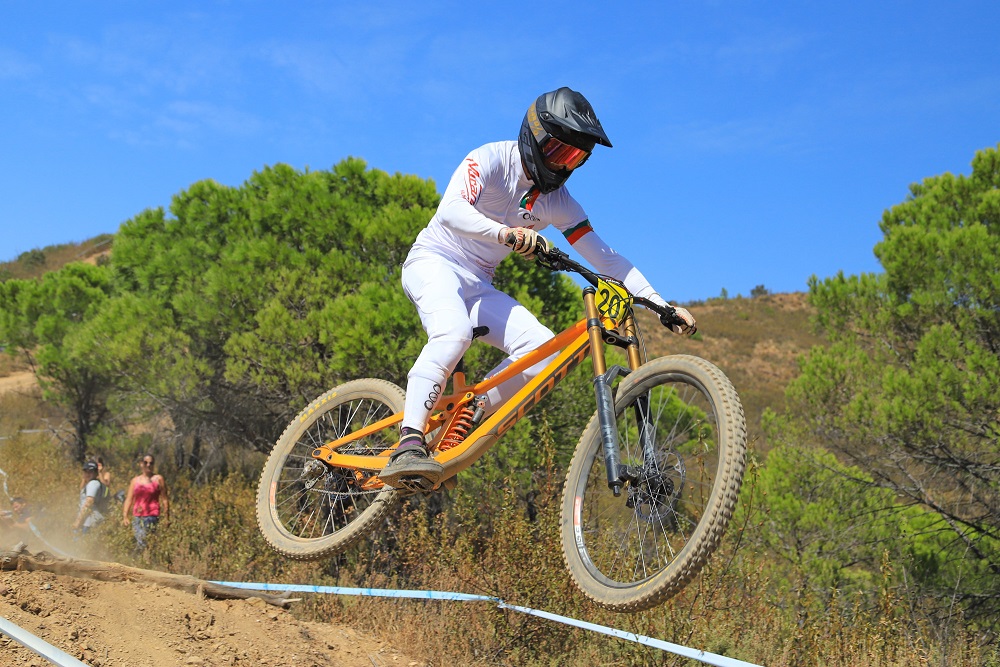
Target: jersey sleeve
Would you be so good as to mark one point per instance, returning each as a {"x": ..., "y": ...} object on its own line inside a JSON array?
[
  {"x": 608, "y": 262},
  {"x": 457, "y": 210},
  {"x": 566, "y": 213}
]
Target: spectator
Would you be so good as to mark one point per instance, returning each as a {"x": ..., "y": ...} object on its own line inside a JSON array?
[
  {"x": 103, "y": 473},
  {"x": 17, "y": 520},
  {"x": 93, "y": 499},
  {"x": 147, "y": 500}
]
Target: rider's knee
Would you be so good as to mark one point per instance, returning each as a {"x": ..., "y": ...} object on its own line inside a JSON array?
[{"x": 530, "y": 339}]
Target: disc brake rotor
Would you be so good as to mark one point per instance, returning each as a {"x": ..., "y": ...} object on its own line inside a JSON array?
[{"x": 654, "y": 495}]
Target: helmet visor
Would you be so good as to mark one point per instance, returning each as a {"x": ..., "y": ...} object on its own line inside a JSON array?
[{"x": 558, "y": 155}]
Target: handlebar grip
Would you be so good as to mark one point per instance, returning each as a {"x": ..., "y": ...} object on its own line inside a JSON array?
[{"x": 669, "y": 317}]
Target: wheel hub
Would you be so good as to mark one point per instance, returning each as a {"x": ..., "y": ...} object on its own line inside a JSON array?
[{"x": 311, "y": 473}]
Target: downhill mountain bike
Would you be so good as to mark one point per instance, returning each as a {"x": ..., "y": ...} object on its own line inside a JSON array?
[{"x": 649, "y": 491}]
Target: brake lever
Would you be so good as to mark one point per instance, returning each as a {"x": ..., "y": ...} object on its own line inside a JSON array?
[
  {"x": 552, "y": 259},
  {"x": 670, "y": 318},
  {"x": 668, "y": 314}
]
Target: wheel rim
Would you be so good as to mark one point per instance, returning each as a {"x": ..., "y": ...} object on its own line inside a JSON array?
[
  {"x": 636, "y": 536},
  {"x": 310, "y": 500}
]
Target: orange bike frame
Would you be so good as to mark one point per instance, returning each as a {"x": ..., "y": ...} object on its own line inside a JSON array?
[{"x": 573, "y": 344}]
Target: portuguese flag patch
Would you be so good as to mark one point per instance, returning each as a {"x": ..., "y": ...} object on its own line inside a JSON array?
[{"x": 574, "y": 234}]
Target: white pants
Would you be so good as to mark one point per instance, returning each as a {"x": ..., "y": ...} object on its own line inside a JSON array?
[{"x": 451, "y": 300}]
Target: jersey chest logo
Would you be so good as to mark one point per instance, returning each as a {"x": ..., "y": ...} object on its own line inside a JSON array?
[{"x": 527, "y": 202}]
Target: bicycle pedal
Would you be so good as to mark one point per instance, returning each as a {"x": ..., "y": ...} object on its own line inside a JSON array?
[{"x": 414, "y": 484}]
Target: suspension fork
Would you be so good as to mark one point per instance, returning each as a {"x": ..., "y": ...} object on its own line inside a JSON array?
[
  {"x": 605, "y": 396},
  {"x": 617, "y": 474},
  {"x": 643, "y": 420}
]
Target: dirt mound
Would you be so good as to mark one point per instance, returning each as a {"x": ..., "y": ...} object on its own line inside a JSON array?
[
  {"x": 133, "y": 624},
  {"x": 22, "y": 382}
]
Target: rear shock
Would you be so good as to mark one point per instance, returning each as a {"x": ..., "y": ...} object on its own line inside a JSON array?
[{"x": 464, "y": 422}]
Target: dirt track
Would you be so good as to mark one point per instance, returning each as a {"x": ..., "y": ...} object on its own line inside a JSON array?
[
  {"x": 110, "y": 624},
  {"x": 107, "y": 624}
]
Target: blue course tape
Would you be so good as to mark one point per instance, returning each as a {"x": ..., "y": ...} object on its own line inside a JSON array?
[
  {"x": 702, "y": 656},
  {"x": 39, "y": 646},
  {"x": 362, "y": 592},
  {"x": 4, "y": 475},
  {"x": 708, "y": 658}
]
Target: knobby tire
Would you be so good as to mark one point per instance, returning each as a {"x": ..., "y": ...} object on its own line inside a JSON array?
[
  {"x": 635, "y": 551},
  {"x": 309, "y": 511}
]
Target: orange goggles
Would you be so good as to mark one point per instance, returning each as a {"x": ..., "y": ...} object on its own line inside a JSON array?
[{"x": 558, "y": 155}]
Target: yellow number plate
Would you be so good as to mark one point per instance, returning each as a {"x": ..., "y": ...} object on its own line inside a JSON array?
[{"x": 613, "y": 301}]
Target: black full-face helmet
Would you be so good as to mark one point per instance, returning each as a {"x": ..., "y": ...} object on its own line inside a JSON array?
[{"x": 558, "y": 133}]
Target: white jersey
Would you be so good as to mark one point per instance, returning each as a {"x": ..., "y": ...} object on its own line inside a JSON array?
[{"x": 490, "y": 192}]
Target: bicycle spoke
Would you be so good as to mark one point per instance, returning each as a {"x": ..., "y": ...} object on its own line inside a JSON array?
[
  {"x": 639, "y": 534},
  {"x": 333, "y": 500}
]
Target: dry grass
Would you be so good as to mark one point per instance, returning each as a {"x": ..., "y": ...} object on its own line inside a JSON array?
[
  {"x": 35, "y": 467},
  {"x": 756, "y": 342},
  {"x": 730, "y": 609},
  {"x": 487, "y": 545},
  {"x": 36, "y": 262},
  {"x": 12, "y": 364}
]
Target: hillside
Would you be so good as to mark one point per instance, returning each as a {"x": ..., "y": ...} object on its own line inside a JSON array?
[
  {"x": 755, "y": 341},
  {"x": 34, "y": 263}
]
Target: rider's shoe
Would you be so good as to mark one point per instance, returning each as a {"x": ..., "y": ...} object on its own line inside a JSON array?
[{"x": 411, "y": 460}]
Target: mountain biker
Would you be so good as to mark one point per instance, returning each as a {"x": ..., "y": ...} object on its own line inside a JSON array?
[{"x": 498, "y": 199}]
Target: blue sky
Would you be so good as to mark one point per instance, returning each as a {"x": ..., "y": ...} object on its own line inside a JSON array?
[{"x": 756, "y": 143}]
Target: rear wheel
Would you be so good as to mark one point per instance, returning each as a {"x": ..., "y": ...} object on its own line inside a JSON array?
[
  {"x": 307, "y": 510},
  {"x": 682, "y": 441}
]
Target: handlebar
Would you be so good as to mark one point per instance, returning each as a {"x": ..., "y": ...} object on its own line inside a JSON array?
[{"x": 555, "y": 259}]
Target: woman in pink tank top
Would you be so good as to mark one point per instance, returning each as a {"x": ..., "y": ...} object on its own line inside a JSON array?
[{"x": 146, "y": 501}]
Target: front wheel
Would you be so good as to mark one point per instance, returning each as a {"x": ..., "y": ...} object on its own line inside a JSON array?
[
  {"x": 682, "y": 440},
  {"x": 307, "y": 510}
]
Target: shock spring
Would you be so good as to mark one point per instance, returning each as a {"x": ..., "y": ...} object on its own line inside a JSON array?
[{"x": 460, "y": 427}]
